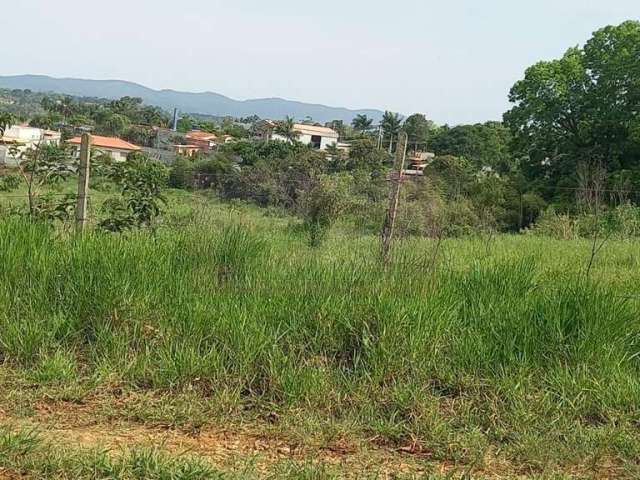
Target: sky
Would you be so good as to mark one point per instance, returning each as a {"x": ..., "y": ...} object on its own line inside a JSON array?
[{"x": 452, "y": 60}]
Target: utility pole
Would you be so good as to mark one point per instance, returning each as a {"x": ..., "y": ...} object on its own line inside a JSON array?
[
  {"x": 394, "y": 198},
  {"x": 379, "y": 144},
  {"x": 83, "y": 182}
]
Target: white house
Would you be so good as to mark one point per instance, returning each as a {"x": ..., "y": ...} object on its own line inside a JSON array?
[
  {"x": 114, "y": 147},
  {"x": 318, "y": 137},
  {"x": 19, "y": 138}
]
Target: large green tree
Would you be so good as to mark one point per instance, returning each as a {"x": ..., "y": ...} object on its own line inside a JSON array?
[
  {"x": 580, "y": 109},
  {"x": 483, "y": 144},
  {"x": 419, "y": 130}
]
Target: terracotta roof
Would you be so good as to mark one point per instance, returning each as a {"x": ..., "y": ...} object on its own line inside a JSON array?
[
  {"x": 198, "y": 135},
  {"x": 314, "y": 130},
  {"x": 107, "y": 142}
]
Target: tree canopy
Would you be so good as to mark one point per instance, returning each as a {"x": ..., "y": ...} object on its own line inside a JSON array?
[{"x": 581, "y": 108}]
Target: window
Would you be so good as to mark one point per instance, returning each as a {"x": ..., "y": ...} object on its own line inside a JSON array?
[{"x": 316, "y": 141}]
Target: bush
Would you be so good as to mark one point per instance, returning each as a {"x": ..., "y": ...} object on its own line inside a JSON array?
[
  {"x": 9, "y": 183},
  {"x": 320, "y": 205},
  {"x": 181, "y": 173},
  {"x": 142, "y": 182},
  {"x": 622, "y": 221}
]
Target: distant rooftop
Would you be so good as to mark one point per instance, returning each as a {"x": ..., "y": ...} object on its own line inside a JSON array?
[
  {"x": 315, "y": 130},
  {"x": 107, "y": 142},
  {"x": 199, "y": 135}
]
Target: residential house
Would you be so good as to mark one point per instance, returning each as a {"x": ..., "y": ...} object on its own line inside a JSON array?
[
  {"x": 187, "y": 150},
  {"x": 206, "y": 141},
  {"x": 19, "y": 138},
  {"x": 316, "y": 136},
  {"x": 417, "y": 162},
  {"x": 114, "y": 147}
]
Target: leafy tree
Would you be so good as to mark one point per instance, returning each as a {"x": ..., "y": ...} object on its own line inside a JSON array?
[
  {"x": 419, "y": 130},
  {"x": 47, "y": 121},
  {"x": 127, "y": 106},
  {"x": 580, "y": 108},
  {"x": 483, "y": 144},
  {"x": 65, "y": 106},
  {"x": 142, "y": 182},
  {"x": 116, "y": 125},
  {"x": 140, "y": 135},
  {"x": 364, "y": 154},
  {"x": 39, "y": 166},
  {"x": 185, "y": 124},
  {"x": 6, "y": 120},
  {"x": 362, "y": 123},
  {"x": 250, "y": 153}
]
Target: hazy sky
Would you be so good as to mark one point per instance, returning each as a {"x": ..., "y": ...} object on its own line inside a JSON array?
[{"x": 453, "y": 60}]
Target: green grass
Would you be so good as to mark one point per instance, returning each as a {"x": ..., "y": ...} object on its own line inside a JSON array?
[{"x": 482, "y": 347}]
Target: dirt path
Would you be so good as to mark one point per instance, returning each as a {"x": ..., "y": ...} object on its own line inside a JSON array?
[
  {"x": 78, "y": 426},
  {"x": 223, "y": 446}
]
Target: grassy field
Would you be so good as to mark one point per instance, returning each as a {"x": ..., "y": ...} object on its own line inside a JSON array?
[{"x": 484, "y": 356}]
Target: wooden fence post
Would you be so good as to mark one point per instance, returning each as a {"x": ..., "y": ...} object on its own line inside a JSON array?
[
  {"x": 83, "y": 182},
  {"x": 394, "y": 198}
]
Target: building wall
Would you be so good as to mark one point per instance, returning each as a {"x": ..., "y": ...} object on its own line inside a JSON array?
[
  {"x": 326, "y": 141},
  {"x": 306, "y": 139},
  {"x": 27, "y": 138},
  {"x": 115, "y": 154}
]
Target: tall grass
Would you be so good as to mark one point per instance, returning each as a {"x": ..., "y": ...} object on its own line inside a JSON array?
[{"x": 508, "y": 344}]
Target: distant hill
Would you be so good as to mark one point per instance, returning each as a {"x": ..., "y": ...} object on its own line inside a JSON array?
[{"x": 208, "y": 103}]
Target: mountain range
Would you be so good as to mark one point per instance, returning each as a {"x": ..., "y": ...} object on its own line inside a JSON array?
[{"x": 206, "y": 103}]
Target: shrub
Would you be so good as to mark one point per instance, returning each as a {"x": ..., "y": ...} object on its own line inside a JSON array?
[
  {"x": 320, "y": 205},
  {"x": 181, "y": 173},
  {"x": 9, "y": 183},
  {"x": 142, "y": 182}
]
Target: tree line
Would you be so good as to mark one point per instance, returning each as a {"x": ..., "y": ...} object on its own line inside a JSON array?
[{"x": 569, "y": 143}]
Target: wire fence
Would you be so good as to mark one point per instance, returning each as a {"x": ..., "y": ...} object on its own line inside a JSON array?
[{"x": 421, "y": 202}]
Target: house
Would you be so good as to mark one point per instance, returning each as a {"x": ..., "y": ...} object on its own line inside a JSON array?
[
  {"x": 115, "y": 148},
  {"x": 226, "y": 139},
  {"x": 418, "y": 161},
  {"x": 206, "y": 141},
  {"x": 186, "y": 150},
  {"x": 316, "y": 136},
  {"x": 19, "y": 138}
]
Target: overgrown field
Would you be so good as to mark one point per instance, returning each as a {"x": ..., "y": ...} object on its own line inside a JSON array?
[{"x": 491, "y": 353}]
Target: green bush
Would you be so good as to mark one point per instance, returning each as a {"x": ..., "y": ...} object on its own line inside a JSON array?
[
  {"x": 622, "y": 221},
  {"x": 9, "y": 183},
  {"x": 181, "y": 173}
]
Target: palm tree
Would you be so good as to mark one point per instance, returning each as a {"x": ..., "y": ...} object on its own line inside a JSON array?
[
  {"x": 391, "y": 124},
  {"x": 6, "y": 120},
  {"x": 287, "y": 129},
  {"x": 362, "y": 123}
]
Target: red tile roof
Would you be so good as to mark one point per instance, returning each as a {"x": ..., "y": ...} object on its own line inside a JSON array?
[
  {"x": 198, "y": 135},
  {"x": 107, "y": 142}
]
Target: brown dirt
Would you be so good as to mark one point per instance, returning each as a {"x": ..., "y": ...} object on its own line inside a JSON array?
[{"x": 76, "y": 425}]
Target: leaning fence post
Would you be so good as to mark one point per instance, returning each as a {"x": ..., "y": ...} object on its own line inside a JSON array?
[
  {"x": 83, "y": 182},
  {"x": 394, "y": 198}
]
